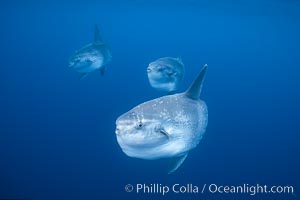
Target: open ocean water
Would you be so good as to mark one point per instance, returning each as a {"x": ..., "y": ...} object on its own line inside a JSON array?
[{"x": 57, "y": 133}]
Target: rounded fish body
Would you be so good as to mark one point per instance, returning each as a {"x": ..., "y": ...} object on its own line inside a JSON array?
[
  {"x": 165, "y": 74},
  {"x": 165, "y": 127},
  {"x": 90, "y": 58}
]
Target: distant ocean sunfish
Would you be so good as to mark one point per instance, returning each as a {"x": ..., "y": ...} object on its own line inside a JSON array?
[
  {"x": 91, "y": 57},
  {"x": 166, "y": 127},
  {"x": 165, "y": 74}
]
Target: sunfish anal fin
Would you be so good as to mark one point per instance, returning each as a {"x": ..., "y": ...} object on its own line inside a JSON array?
[
  {"x": 83, "y": 75},
  {"x": 176, "y": 162},
  {"x": 102, "y": 71},
  {"x": 171, "y": 92}
]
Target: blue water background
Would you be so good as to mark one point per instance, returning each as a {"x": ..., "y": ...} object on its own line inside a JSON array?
[{"x": 57, "y": 137}]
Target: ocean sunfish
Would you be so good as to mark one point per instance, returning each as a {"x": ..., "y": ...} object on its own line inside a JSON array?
[
  {"x": 165, "y": 74},
  {"x": 91, "y": 57},
  {"x": 166, "y": 127}
]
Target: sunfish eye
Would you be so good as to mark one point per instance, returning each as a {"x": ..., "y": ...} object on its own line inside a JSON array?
[
  {"x": 139, "y": 125},
  {"x": 76, "y": 60},
  {"x": 160, "y": 68}
]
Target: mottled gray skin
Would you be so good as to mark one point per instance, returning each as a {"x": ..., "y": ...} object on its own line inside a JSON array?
[
  {"x": 91, "y": 57},
  {"x": 165, "y": 74},
  {"x": 161, "y": 128},
  {"x": 166, "y": 127}
]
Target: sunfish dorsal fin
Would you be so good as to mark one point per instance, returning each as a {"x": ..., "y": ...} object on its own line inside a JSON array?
[
  {"x": 97, "y": 36},
  {"x": 176, "y": 162},
  {"x": 179, "y": 59},
  {"x": 194, "y": 90}
]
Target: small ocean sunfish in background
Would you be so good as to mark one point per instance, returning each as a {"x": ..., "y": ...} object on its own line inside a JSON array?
[
  {"x": 166, "y": 127},
  {"x": 91, "y": 57},
  {"x": 165, "y": 74}
]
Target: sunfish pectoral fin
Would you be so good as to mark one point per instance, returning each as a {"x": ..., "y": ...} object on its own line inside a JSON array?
[
  {"x": 97, "y": 36},
  {"x": 164, "y": 132},
  {"x": 176, "y": 162},
  {"x": 82, "y": 76},
  {"x": 194, "y": 90},
  {"x": 173, "y": 74}
]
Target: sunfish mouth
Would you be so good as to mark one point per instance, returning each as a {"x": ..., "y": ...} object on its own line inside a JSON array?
[
  {"x": 149, "y": 69},
  {"x": 141, "y": 139},
  {"x": 71, "y": 64}
]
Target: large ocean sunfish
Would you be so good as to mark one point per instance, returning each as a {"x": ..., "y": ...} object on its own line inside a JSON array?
[
  {"x": 165, "y": 74},
  {"x": 91, "y": 57},
  {"x": 166, "y": 127}
]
